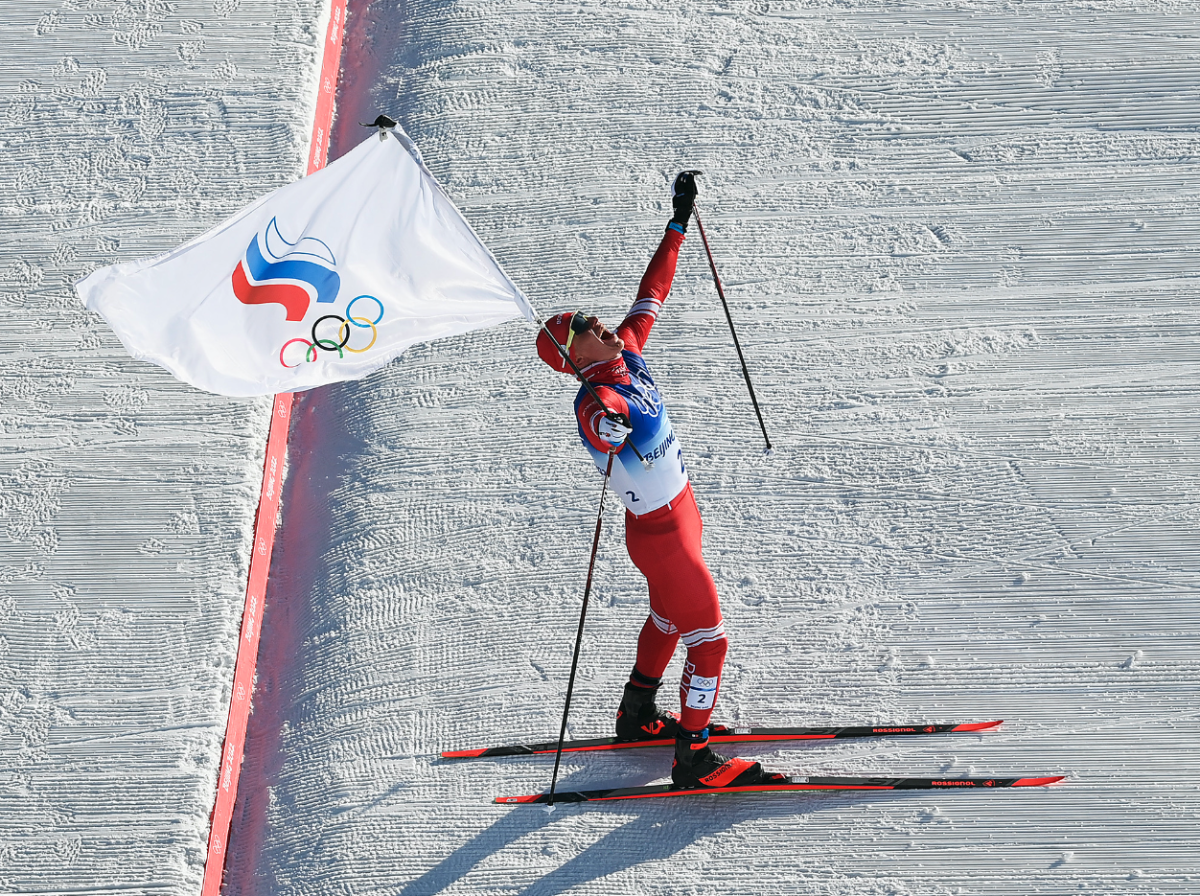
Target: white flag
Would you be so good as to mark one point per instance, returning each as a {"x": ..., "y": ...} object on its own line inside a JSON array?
[{"x": 326, "y": 279}]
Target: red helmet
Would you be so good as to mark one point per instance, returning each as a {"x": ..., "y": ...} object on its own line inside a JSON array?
[{"x": 560, "y": 328}]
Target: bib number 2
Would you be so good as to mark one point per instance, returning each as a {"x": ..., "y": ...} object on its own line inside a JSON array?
[{"x": 702, "y": 692}]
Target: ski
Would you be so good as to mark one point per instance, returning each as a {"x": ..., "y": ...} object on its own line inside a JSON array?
[
  {"x": 722, "y": 734},
  {"x": 787, "y": 783}
]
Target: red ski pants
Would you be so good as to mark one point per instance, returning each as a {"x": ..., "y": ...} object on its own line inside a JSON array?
[{"x": 665, "y": 545}]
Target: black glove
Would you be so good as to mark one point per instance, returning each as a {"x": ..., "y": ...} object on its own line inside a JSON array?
[{"x": 683, "y": 196}]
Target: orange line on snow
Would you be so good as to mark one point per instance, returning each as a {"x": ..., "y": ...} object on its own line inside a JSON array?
[{"x": 264, "y": 522}]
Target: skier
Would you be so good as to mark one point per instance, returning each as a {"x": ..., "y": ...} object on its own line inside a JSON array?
[{"x": 662, "y": 523}]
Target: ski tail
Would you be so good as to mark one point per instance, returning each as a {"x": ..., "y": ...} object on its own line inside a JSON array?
[
  {"x": 464, "y": 754},
  {"x": 977, "y": 726},
  {"x": 1037, "y": 782}
]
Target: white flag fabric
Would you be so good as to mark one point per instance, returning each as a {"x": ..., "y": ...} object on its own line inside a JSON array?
[{"x": 326, "y": 279}]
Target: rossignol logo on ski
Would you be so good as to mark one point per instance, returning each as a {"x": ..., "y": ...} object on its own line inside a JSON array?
[{"x": 277, "y": 271}]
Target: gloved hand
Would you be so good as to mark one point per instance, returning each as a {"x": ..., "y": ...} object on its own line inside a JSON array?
[
  {"x": 614, "y": 429},
  {"x": 683, "y": 197}
]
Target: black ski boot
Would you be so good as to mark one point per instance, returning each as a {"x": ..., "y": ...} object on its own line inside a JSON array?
[
  {"x": 638, "y": 718},
  {"x": 698, "y": 765}
]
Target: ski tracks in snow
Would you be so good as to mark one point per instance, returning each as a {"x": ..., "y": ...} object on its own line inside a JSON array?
[
  {"x": 959, "y": 248},
  {"x": 959, "y": 245},
  {"x": 126, "y": 498}
]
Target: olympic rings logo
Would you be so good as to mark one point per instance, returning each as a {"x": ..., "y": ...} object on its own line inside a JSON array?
[{"x": 324, "y": 340}]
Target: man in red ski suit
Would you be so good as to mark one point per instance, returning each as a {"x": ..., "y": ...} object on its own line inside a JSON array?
[{"x": 662, "y": 522}]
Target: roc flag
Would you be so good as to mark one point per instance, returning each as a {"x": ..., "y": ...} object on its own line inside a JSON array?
[{"x": 326, "y": 279}]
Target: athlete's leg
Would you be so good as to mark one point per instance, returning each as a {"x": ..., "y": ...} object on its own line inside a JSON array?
[
  {"x": 656, "y": 642},
  {"x": 701, "y": 683},
  {"x": 659, "y": 635},
  {"x": 667, "y": 551},
  {"x": 638, "y": 716}
]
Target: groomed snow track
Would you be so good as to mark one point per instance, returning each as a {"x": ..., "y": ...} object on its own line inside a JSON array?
[{"x": 959, "y": 244}]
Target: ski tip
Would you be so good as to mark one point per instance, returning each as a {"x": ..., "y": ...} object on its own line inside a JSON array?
[
  {"x": 977, "y": 726},
  {"x": 462, "y": 754},
  {"x": 1037, "y": 782}
]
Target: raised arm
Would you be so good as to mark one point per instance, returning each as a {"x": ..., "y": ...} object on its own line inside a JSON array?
[
  {"x": 656, "y": 282},
  {"x": 652, "y": 291}
]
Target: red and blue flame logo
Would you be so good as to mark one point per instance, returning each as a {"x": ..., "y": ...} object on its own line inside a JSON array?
[
  {"x": 307, "y": 261},
  {"x": 277, "y": 271}
]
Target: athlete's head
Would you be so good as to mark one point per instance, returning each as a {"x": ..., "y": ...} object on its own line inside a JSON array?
[{"x": 587, "y": 340}]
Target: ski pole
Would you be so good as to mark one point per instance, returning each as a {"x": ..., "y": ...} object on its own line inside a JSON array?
[
  {"x": 591, "y": 390},
  {"x": 737, "y": 345},
  {"x": 587, "y": 590}
]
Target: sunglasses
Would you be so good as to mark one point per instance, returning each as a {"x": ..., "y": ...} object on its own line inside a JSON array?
[{"x": 579, "y": 324}]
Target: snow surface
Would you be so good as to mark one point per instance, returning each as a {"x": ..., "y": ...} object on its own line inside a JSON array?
[
  {"x": 126, "y": 498},
  {"x": 958, "y": 240}
]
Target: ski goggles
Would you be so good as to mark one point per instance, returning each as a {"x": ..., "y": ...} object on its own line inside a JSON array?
[{"x": 576, "y": 325}]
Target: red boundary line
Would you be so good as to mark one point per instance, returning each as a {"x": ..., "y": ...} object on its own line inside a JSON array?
[{"x": 265, "y": 519}]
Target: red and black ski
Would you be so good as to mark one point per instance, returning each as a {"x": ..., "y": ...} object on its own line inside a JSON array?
[
  {"x": 788, "y": 783},
  {"x": 721, "y": 734}
]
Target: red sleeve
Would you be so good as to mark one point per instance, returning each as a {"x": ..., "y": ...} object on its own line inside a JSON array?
[
  {"x": 590, "y": 414},
  {"x": 652, "y": 292}
]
